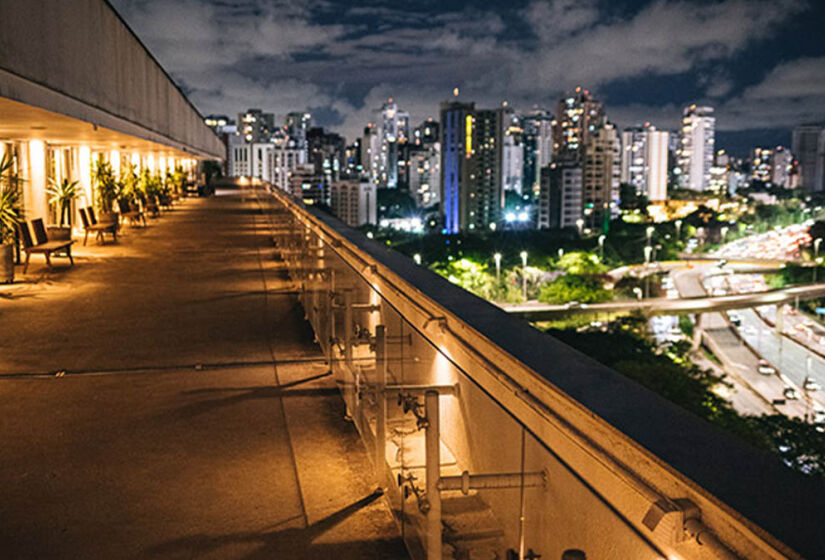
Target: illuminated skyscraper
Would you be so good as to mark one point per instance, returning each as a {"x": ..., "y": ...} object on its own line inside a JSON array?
[
  {"x": 644, "y": 161},
  {"x": 537, "y": 139},
  {"x": 256, "y": 126},
  {"x": 601, "y": 173},
  {"x": 578, "y": 116},
  {"x": 696, "y": 147},
  {"x": 394, "y": 130},
  {"x": 457, "y": 130}
]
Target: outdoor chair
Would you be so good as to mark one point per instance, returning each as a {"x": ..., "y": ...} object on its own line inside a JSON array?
[
  {"x": 41, "y": 243},
  {"x": 98, "y": 229},
  {"x": 131, "y": 212},
  {"x": 93, "y": 217},
  {"x": 152, "y": 206}
]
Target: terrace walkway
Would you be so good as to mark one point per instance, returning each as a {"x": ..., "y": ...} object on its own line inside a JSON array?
[{"x": 193, "y": 421}]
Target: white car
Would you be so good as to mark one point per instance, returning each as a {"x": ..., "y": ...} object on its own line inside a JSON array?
[
  {"x": 810, "y": 385},
  {"x": 790, "y": 393},
  {"x": 765, "y": 368}
]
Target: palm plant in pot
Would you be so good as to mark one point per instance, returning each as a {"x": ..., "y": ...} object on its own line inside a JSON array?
[
  {"x": 108, "y": 190},
  {"x": 10, "y": 212},
  {"x": 62, "y": 194}
]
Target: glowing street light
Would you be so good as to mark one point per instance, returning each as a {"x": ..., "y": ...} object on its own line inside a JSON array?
[
  {"x": 724, "y": 233},
  {"x": 580, "y": 225},
  {"x": 497, "y": 258},
  {"x": 678, "y": 224},
  {"x": 638, "y": 292},
  {"x": 523, "y": 255},
  {"x": 601, "y": 246},
  {"x": 649, "y": 231},
  {"x": 417, "y": 258}
]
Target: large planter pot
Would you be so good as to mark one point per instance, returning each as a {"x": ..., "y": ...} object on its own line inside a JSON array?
[
  {"x": 6, "y": 264},
  {"x": 57, "y": 233}
]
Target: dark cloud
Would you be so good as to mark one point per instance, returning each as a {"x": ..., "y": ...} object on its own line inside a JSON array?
[{"x": 344, "y": 60}]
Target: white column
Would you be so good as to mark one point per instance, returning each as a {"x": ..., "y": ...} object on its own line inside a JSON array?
[{"x": 34, "y": 190}]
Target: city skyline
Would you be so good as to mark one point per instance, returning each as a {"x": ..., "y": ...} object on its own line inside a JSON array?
[{"x": 757, "y": 63}]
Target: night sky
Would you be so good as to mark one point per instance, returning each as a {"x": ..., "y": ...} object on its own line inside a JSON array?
[{"x": 761, "y": 64}]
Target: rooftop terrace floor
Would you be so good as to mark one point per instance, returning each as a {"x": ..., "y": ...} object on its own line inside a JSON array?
[{"x": 194, "y": 420}]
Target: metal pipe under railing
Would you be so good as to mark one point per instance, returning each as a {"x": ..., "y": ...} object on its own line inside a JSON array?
[{"x": 466, "y": 482}]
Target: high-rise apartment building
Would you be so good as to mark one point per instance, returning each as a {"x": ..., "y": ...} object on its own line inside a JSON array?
[
  {"x": 782, "y": 167},
  {"x": 354, "y": 201},
  {"x": 808, "y": 146},
  {"x": 696, "y": 147},
  {"x": 256, "y": 126},
  {"x": 296, "y": 125},
  {"x": 762, "y": 164},
  {"x": 601, "y": 174},
  {"x": 424, "y": 167},
  {"x": 512, "y": 152},
  {"x": 393, "y": 131},
  {"x": 560, "y": 195},
  {"x": 644, "y": 161},
  {"x": 537, "y": 139},
  {"x": 371, "y": 153},
  {"x": 578, "y": 116}
]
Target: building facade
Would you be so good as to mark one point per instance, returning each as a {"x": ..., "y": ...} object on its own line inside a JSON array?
[
  {"x": 354, "y": 202},
  {"x": 696, "y": 147},
  {"x": 808, "y": 146},
  {"x": 560, "y": 195},
  {"x": 644, "y": 161}
]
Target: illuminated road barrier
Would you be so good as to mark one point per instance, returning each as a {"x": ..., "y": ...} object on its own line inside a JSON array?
[{"x": 540, "y": 450}]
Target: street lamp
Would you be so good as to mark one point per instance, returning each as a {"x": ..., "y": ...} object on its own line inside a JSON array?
[
  {"x": 417, "y": 258},
  {"x": 601, "y": 247},
  {"x": 580, "y": 225},
  {"x": 648, "y": 250},
  {"x": 724, "y": 233},
  {"x": 638, "y": 292},
  {"x": 649, "y": 230},
  {"x": 678, "y": 224},
  {"x": 524, "y": 274},
  {"x": 497, "y": 258}
]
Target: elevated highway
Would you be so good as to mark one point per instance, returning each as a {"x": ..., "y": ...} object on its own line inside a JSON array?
[{"x": 535, "y": 311}]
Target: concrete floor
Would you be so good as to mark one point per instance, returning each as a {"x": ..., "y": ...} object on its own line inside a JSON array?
[{"x": 194, "y": 420}]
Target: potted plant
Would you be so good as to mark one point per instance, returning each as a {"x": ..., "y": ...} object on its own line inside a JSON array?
[
  {"x": 62, "y": 194},
  {"x": 9, "y": 216},
  {"x": 108, "y": 189}
]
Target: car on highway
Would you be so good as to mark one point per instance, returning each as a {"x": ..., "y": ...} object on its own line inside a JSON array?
[
  {"x": 765, "y": 368},
  {"x": 790, "y": 393},
  {"x": 735, "y": 319}
]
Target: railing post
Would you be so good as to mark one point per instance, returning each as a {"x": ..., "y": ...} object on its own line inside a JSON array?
[
  {"x": 331, "y": 319},
  {"x": 380, "y": 399},
  {"x": 348, "y": 328},
  {"x": 433, "y": 466},
  {"x": 779, "y": 324}
]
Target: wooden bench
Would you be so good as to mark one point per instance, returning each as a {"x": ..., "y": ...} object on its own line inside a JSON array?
[
  {"x": 41, "y": 243},
  {"x": 131, "y": 211},
  {"x": 90, "y": 226}
]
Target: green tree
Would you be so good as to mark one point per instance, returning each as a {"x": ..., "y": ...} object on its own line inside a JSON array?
[{"x": 574, "y": 287}]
